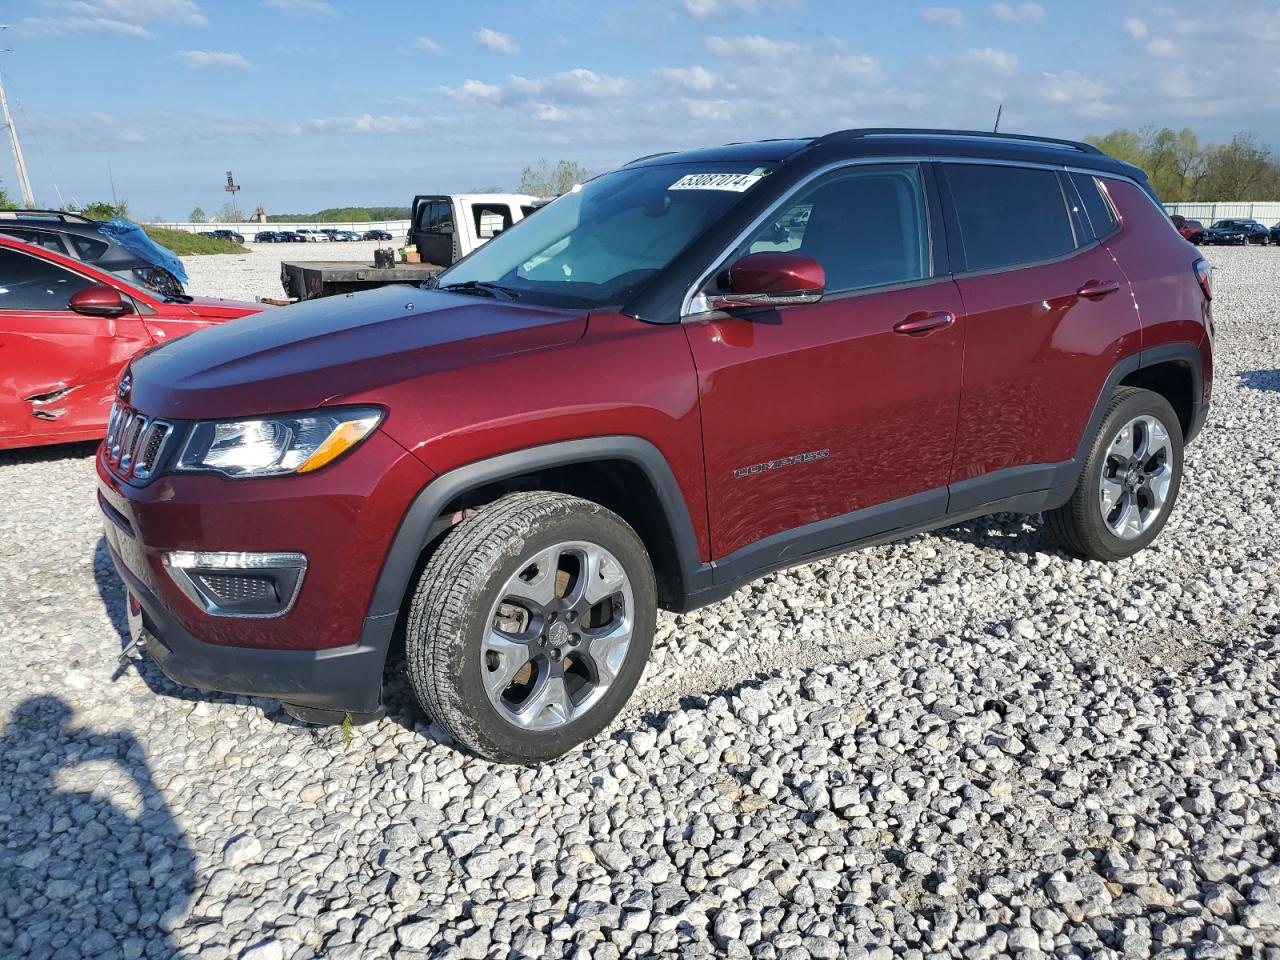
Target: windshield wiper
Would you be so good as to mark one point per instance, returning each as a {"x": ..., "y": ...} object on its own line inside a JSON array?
[{"x": 481, "y": 287}]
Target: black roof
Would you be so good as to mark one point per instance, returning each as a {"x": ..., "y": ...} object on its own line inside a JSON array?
[{"x": 898, "y": 141}]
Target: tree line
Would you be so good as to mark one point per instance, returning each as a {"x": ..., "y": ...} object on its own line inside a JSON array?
[{"x": 1182, "y": 167}]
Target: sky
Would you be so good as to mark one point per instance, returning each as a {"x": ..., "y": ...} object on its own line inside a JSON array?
[{"x": 326, "y": 103}]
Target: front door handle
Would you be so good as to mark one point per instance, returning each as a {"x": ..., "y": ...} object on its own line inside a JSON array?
[
  {"x": 1098, "y": 288},
  {"x": 919, "y": 324}
]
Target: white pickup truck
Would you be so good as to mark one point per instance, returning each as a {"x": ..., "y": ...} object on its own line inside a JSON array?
[{"x": 443, "y": 229}]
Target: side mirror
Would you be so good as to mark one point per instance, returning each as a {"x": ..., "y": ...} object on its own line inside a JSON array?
[
  {"x": 99, "y": 301},
  {"x": 771, "y": 280}
]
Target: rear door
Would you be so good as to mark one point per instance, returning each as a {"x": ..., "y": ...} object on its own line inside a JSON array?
[
  {"x": 814, "y": 412},
  {"x": 57, "y": 368},
  {"x": 1049, "y": 314}
]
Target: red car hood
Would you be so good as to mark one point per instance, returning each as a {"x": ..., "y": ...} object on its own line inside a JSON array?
[
  {"x": 216, "y": 308},
  {"x": 301, "y": 356}
]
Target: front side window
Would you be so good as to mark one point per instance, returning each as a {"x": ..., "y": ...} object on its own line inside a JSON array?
[
  {"x": 1007, "y": 216},
  {"x": 437, "y": 217},
  {"x": 866, "y": 225},
  {"x": 27, "y": 283},
  {"x": 599, "y": 244}
]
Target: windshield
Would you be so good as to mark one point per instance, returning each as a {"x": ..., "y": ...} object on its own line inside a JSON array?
[{"x": 598, "y": 244}]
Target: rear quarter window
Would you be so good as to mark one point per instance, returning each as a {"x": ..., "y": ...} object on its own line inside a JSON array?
[
  {"x": 1097, "y": 207},
  {"x": 88, "y": 249},
  {"x": 1006, "y": 216}
]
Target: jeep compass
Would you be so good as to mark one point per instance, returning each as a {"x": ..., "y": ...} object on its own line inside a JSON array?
[{"x": 680, "y": 376}]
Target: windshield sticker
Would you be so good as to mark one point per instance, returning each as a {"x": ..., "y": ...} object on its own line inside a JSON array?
[{"x": 737, "y": 182}]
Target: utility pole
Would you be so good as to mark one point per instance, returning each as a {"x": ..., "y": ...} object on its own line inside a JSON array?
[{"x": 24, "y": 184}]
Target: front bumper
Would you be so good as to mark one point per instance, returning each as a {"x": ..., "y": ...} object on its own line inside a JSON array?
[{"x": 338, "y": 680}]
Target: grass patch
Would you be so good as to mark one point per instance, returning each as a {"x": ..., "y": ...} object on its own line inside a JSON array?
[{"x": 191, "y": 244}]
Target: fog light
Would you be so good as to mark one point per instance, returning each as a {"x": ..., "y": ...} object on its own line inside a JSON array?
[{"x": 238, "y": 584}]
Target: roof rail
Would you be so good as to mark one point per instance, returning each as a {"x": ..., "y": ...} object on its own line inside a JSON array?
[
  {"x": 861, "y": 132},
  {"x": 66, "y": 216}
]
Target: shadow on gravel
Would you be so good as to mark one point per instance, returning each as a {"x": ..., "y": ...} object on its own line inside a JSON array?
[
  {"x": 1012, "y": 533},
  {"x": 92, "y": 860},
  {"x": 1260, "y": 379},
  {"x": 57, "y": 451}
]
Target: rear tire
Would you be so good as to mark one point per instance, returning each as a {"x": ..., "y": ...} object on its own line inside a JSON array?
[
  {"x": 531, "y": 625},
  {"x": 1129, "y": 482}
]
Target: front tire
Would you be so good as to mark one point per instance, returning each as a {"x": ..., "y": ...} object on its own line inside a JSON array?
[
  {"x": 531, "y": 625},
  {"x": 1129, "y": 482}
]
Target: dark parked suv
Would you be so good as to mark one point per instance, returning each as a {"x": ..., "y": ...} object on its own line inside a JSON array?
[{"x": 692, "y": 371}]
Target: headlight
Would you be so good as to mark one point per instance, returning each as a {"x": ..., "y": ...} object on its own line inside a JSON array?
[{"x": 271, "y": 446}]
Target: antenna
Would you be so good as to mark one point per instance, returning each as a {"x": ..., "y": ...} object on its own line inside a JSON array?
[
  {"x": 24, "y": 184},
  {"x": 999, "y": 110}
]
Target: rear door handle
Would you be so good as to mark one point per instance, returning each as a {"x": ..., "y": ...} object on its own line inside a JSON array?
[
  {"x": 919, "y": 324},
  {"x": 1098, "y": 288}
]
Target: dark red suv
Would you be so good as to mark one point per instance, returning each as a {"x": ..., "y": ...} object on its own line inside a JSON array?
[{"x": 687, "y": 373}]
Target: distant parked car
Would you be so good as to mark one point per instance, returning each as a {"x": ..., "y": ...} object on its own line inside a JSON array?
[
  {"x": 349, "y": 235},
  {"x": 80, "y": 238},
  {"x": 377, "y": 235},
  {"x": 1275, "y": 233},
  {"x": 1236, "y": 232},
  {"x": 225, "y": 235},
  {"x": 288, "y": 236},
  {"x": 312, "y": 236},
  {"x": 267, "y": 236},
  {"x": 1192, "y": 230},
  {"x": 67, "y": 329}
]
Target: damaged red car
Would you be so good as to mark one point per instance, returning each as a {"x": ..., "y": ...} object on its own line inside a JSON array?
[{"x": 66, "y": 332}]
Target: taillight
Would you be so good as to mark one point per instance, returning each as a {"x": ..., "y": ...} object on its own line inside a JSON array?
[{"x": 1204, "y": 273}]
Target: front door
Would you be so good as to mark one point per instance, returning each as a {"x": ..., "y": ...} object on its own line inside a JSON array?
[
  {"x": 815, "y": 412},
  {"x": 57, "y": 368}
]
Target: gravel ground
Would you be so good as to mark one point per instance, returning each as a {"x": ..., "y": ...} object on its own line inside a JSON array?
[
  {"x": 257, "y": 273},
  {"x": 966, "y": 744}
]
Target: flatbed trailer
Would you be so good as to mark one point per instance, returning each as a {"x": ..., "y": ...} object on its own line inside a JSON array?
[{"x": 309, "y": 279}]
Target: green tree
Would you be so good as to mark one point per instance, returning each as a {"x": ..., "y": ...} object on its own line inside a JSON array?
[
  {"x": 1243, "y": 169},
  {"x": 105, "y": 211},
  {"x": 5, "y": 202},
  {"x": 198, "y": 215},
  {"x": 543, "y": 180}
]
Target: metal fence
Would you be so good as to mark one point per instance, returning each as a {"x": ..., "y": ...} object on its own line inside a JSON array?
[
  {"x": 396, "y": 228},
  {"x": 1267, "y": 211}
]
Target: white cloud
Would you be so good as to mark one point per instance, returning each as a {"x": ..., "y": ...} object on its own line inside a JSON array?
[
  {"x": 211, "y": 60},
  {"x": 951, "y": 17},
  {"x": 571, "y": 87},
  {"x": 303, "y": 8},
  {"x": 128, "y": 18},
  {"x": 1137, "y": 28},
  {"x": 496, "y": 42},
  {"x": 366, "y": 123},
  {"x": 427, "y": 45},
  {"x": 999, "y": 61},
  {"x": 831, "y": 55},
  {"x": 1162, "y": 47},
  {"x": 474, "y": 90},
  {"x": 1020, "y": 13},
  {"x": 1080, "y": 95},
  {"x": 696, "y": 78}
]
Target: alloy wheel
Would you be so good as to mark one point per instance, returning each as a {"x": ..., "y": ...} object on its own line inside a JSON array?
[
  {"x": 557, "y": 635},
  {"x": 1136, "y": 475}
]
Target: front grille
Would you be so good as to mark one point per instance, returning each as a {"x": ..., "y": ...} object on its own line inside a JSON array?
[{"x": 134, "y": 443}]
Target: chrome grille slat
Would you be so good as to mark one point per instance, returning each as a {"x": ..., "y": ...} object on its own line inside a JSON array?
[{"x": 135, "y": 443}]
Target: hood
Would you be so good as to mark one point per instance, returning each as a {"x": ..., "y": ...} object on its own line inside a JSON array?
[
  {"x": 302, "y": 356},
  {"x": 216, "y": 308}
]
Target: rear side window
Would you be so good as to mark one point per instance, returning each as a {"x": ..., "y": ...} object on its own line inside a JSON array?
[
  {"x": 38, "y": 238},
  {"x": 1096, "y": 206},
  {"x": 1008, "y": 216},
  {"x": 27, "y": 283}
]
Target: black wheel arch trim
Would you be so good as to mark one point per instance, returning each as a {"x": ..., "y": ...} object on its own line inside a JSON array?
[{"x": 419, "y": 525}]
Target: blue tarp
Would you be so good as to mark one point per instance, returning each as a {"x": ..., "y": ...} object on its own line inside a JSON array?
[{"x": 134, "y": 239}]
